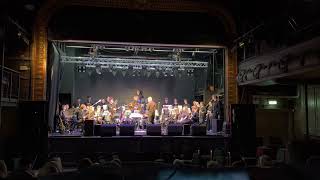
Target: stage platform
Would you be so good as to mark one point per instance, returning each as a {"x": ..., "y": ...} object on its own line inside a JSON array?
[{"x": 76, "y": 146}]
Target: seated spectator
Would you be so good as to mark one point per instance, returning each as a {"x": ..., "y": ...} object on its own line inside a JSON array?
[
  {"x": 50, "y": 168},
  {"x": 3, "y": 170},
  {"x": 213, "y": 164},
  {"x": 239, "y": 164},
  {"x": 84, "y": 163},
  {"x": 24, "y": 171},
  {"x": 264, "y": 161}
]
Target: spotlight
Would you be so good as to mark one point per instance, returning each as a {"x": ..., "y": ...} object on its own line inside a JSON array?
[
  {"x": 98, "y": 70},
  {"x": 114, "y": 73},
  {"x": 90, "y": 70},
  {"x": 157, "y": 74},
  {"x": 81, "y": 69},
  {"x": 124, "y": 73}
]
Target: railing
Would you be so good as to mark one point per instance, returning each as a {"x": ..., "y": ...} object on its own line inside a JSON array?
[{"x": 10, "y": 91}]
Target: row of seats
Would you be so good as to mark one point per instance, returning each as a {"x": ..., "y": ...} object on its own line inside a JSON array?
[{"x": 151, "y": 129}]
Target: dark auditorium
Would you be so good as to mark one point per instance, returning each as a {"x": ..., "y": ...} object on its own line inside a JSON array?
[{"x": 160, "y": 89}]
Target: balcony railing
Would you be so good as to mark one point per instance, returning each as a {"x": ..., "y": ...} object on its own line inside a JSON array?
[{"x": 10, "y": 92}]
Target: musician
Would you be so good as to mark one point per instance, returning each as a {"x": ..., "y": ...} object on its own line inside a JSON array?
[
  {"x": 216, "y": 107},
  {"x": 175, "y": 103},
  {"x": 77, "y": 104},
  {"x": 202, "y": 112},
  {"x": 141, "y": 100},
  {"x": 89, "y": 101},
  {"x": 134, "y": 105},
  {"x": 208, "y": 93},
  {"x": 151, "y": 109},
  {"x": 102, "y": 102},
  {"x": 165, "y": 111},
  {"x": 184, "y": 117},
  {"x": 166, "y": 101},
  {"x": 195, "y": 112},
  {"x": 185, "y": 103},
  {"x": 112, "y": 107}
]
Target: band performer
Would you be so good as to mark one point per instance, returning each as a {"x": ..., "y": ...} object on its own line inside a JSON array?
[{"x": 151, "y": 109}]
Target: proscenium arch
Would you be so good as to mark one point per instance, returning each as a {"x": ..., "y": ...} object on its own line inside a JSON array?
[{"x": 50, "y": 7}]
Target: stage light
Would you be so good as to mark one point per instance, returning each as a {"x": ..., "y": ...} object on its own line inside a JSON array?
[
  {"x": 81, "y": 69},
  {"x": 272, "y": 102},
  {"x": 124, "y": 73},
  {"x": 90, "y": 70},
  {"x": 157, "y": 74},
  {"x": 98, "y": 70},
  {"x": 114, "y": 73}
]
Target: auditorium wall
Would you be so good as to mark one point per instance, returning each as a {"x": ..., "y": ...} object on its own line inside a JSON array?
[{"x": 273, "y": 123}]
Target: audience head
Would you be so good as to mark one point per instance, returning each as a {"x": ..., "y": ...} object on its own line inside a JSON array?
[
  {"x": 3, "y": 170},
  {"x": 25, "y": 164},
  {"x": 214, "y": 98},
  {"x": 50, "y": 168},
  {"x": 84, "y": 163},
  {"x": 135, "y": 98},
  {"x": 185, "y": 101},
  {"x": 211, "y": 88},
  {"x": 166, "y": 100}
]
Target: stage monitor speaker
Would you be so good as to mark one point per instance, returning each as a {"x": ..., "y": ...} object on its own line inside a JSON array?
[
  {"x": 126, "y": 130},
  {"x": 96, "y": 130},
  {"x": 243, "y": 130},
  {"x": 108, "y": 130},
  {"x": 153, "y": 129},
  {"x": 186, "y": 129},
  {"x": 175, "y": 129},
  {"x": 88, "y": 128},
  {"x": 198, "y": 130}
]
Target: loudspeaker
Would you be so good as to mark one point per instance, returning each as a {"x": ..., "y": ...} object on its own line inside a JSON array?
[
  {"x": 126, "y": 130},
  {"x": 198, "y": 130},
  {"x": 108, "y": 130},
  {"x": 88, "y": 129},
  {"x": 175, "y": 130},
  {"x": 32, "y": 130},
  {"x": 153, "y": 129},
  {"x": 243, "y": 129},
  {"x": 186, "y": 129},
  {"x": 96, "y": 130}
]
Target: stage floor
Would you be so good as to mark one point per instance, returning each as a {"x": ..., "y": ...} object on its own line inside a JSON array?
[{"x": 142, "y": 132}]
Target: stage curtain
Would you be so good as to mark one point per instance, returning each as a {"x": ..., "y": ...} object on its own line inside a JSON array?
[{"x": 54, "y": 73}]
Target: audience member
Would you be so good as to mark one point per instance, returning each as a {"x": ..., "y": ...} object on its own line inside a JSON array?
[
  {"x": 3, "y": 170},
  {"x": 50, "y": 168},
  {"x": 24, "y": 171},
  {"x": 84, "y": 163}
]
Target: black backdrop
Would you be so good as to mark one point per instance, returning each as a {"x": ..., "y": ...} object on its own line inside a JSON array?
[{"x": 123, "y": 88}]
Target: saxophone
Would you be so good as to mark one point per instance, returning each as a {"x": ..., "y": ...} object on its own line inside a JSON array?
[{"x": 62, "y": 127}]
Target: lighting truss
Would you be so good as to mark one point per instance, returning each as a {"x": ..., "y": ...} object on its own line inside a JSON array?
[{"x": 119, "y": 62}]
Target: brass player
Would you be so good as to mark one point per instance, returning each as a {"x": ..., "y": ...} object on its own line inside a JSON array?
[{"x": 151, "y": 109}]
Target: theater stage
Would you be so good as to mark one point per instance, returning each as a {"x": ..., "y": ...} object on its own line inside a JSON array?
[{"x": 133, "y": 147}]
